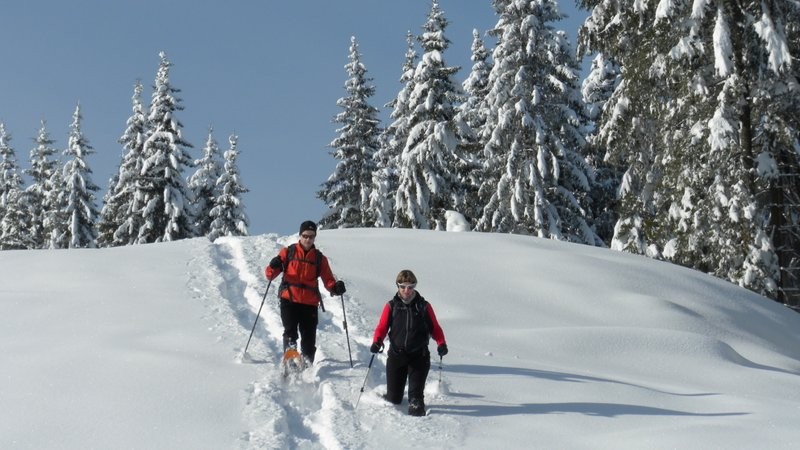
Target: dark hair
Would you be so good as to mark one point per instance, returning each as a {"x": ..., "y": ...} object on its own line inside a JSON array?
[{"x": 308, "y": 226}]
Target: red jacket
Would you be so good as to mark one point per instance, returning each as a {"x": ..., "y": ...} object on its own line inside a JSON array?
[{"x": 299, "y": 283}]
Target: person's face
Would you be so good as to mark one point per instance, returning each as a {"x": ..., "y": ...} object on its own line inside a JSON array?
[
  {"x": 307, "y": 239},
  {"x": 406, "y": 290}
]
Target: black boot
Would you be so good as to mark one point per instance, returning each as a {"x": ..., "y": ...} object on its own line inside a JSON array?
[
  {"x": 390, "y": 400},
  {"x": 416, "y": 407},
  {"x": 288, "y": 342}
]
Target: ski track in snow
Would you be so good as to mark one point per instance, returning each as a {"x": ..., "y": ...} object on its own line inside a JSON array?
[
  {"x": 297, "y": 408},
  {"x": 315, "y": 409}
]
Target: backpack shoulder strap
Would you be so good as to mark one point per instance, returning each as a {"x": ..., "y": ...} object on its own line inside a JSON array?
[
  {"x": 319, "y": 261},
  {"x": 422, "y": 309},
  {"x": 290, "y": 255}
]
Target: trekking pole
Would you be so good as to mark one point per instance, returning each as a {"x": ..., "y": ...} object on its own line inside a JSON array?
[
  {"x": 256, "y": 321},
  {"x": 346, "y": 333},
  {"x": 440, "y": 369},
  {"x": 365, "y": 380}
]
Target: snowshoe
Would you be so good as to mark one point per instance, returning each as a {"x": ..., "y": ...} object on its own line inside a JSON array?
[
  {"x": 292, "y": 362},
  {"x": 416, "y": 407}
]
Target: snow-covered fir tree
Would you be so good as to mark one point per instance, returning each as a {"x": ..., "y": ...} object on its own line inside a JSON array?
[
  {"x": 427, "y": 185},
  {"x": 162, "y": 193},
  {"x": 535, "y": 128},
  {"x": 476, "y": 85},
  {"x": 56, "y": 219},
  {"x": 203, "y": 184},
  {"x": 710, "y": 82},
  {"x": 597, "y": 89},
  {"x": 347, "y": 190},
  {"x": 228, "y": 214},
  {"x": 778, "y": 164},
  {"x": 119, "y": 218},
  {"x": 789, "y": 248},
  {"x": 108, "y": 211},
  {"x": 81, "y": 207},
  {"x": 631, "y": 127},
  {"x": 41, "y": 195},
  {"x": 470, "y": 123},
  {"x": 10, "y": 177},
  {"x": 15, "y": 223},
  {"x": 14, "y": 216},
  {"x": 391, "y": 141}
]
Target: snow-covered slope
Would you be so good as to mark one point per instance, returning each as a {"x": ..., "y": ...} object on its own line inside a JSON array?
[{"x": 552, "y": 345}]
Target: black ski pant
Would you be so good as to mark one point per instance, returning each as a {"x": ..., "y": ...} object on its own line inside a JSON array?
[
  {"x": 402, "y": 366},
  {"x": 297, "y": 316}
]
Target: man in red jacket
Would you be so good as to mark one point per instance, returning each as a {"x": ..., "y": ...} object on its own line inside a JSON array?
[
  {"x": 302, "y": 264},
  {"x": 410, "y": 322}
]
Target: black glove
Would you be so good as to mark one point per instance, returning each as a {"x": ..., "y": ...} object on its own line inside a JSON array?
[
  {"x": 376, "y": 347},
  {"x": 442, "y": 349},
  {"x": 338, "y": 288},
  {"x": 276, "y": 263}
]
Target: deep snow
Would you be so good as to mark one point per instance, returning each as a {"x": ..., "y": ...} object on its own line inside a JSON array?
[{"x": 552, "y": 345}]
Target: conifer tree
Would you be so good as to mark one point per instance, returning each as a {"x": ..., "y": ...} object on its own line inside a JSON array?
[
  {"x": 9, "y": 170},
  {"x": 56, "y": 219},
  {"x": 81, "y": 208},
  {"x": 203, "y": 184},
  {"x": 778, "y": 166},
  {"x": 41, "y": 195},
  {"x": 427, "y": 185},
  {"x": 119, "y": 222},
  {"x": 15, "y": 224},
  {"x": 14, "y": 216},
  {"x": 470, "y": 122},
  {"x": 391, "y": 142},
  {"x": 536, "y": 129},
  {"x": 597, "y": 89},
  {"x": 347, "y": 190},
  {"x": 228, "y": 214},
  {"x": 703, "y": 185},
  {"x": 162, "y": 194}
]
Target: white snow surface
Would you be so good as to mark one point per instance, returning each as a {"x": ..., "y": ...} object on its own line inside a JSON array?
[{"x": 552, "y": 345}]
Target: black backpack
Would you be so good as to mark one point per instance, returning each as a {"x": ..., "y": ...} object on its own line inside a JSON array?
[{"x": 419, "y": 309}]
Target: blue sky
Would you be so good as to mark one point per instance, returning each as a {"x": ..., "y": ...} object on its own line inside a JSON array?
[{"x": 268, "y": 71}]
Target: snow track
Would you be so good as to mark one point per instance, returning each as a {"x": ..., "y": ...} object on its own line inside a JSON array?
[
  {"x": 306, "y": 409},
  {"x": 317, "y": 409}
]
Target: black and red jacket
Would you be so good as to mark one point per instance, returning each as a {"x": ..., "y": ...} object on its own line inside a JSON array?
[
  {"x": 300, "y": 283},
  {"x": 409, "y": 326}
]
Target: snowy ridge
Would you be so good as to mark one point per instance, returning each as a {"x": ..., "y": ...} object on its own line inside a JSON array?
[{"x": 552, "y": 345}]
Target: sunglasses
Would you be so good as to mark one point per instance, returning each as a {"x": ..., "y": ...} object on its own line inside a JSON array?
[
  {"x": 407, "y": 286},
  {"x": 308, "y": 236}
]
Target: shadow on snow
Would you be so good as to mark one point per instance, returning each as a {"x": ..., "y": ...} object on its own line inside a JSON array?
[{"x": 491, "y": 408}]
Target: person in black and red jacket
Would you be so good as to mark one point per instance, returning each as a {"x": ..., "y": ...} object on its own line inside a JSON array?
[
  {"x": 410, "y": 322},
  {"x": 302, "y": 264}
]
